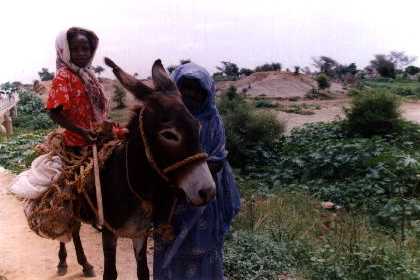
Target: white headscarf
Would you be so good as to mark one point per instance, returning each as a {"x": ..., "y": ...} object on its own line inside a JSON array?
[{"x": 94, "y": 89}]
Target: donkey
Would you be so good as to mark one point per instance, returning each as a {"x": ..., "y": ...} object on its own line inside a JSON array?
[{"x": 160, "y": 159}]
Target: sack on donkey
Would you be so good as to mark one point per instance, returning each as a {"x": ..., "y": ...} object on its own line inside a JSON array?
[{"x": 32, "y": 183}]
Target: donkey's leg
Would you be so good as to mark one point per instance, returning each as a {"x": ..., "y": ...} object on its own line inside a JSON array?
[
  {"x": 109, "y": 245},
  {"x": 88, "y": 270},
  {"x": 140, "y": 250},
  {"x": 62, "y": 255}
]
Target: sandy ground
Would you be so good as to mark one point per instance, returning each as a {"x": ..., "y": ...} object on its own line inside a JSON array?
[{"x": 25, "y": 256}]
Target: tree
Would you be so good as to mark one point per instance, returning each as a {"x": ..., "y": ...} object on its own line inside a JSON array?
[
  {"x": 400, "y": 59},
  {"x": 412, "y": 70},
  {"x": 322, "y": 81},
  {"x": 326, "y": 65},
  {"x": 274, "y": 66},
  {"x": 343, "y": 72},
  {"x": 44, "y": 75},
  {"x": 98, "y": 70},
  {"x": 245, "y": 71},
  {"x": 384, "y": 66},
  {"x": 297, "y": 70},
  {"x": 119, "y": 97},
  {"x": 229, "y": 69},
  {"x": 352, "y": 68},
  {"x": 307, "y": 70},
  {"x": 171, "y": 68},
  {"x": 184, "y": 61}
]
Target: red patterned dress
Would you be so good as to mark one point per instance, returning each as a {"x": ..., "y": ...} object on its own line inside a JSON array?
[{"x": 69, "y": 92}]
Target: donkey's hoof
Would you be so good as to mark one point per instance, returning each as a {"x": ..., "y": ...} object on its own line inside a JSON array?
[
  {"x": 89, "y": 272},
  {"x": 61, "y": 270}
]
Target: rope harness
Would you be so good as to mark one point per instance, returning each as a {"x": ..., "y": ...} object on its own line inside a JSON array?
[{"x": 77, "y": 177}]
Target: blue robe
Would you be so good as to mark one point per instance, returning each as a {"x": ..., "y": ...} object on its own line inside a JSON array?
[{"x": 197, "y": 252}]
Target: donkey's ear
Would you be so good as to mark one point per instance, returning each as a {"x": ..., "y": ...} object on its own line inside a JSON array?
[
  {"x": 161, "y": 78},
  {"x": 136, "y": 87}
]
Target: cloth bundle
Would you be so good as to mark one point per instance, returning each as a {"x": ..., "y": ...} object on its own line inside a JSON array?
[{"x": 32, "y": 183}]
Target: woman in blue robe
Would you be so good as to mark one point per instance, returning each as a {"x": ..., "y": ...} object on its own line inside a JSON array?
[{"x": 197, "y": 251}]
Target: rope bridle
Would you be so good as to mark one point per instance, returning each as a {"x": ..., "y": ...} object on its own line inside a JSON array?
[{"x": 171, "y": 168}]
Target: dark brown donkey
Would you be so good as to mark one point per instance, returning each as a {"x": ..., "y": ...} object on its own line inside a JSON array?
[{"x": 162, "y": 150}]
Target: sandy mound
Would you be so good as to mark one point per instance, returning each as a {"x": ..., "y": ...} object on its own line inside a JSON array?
[{"x": 274, "y": 84}]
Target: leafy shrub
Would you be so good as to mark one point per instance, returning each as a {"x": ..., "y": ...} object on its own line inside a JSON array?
[
  {"x": 16, "y": 154},
  {"x": 348, "y": 248},
  {"x": 354, "y": 92},
  {"x": 255, "y": 256},
  {"x": 412, "y": 70},
  {"x": 249, "y": 133},
  {"x": 31, "y": 113},
  {"x": 45, "y": 75},
  {"x": 373, "y": 113},
  {"x": 119, "y": 97},
  {"x": 362, "y": 264},
  {"x": 275, "y": 66},
  {"x": 245, "y": 71},
  {"x": 265, "y": 104},
  {"x": 403, "y": 91},
  {"x": 384, "y": 66},
  {"x": 322, "y": 81}
]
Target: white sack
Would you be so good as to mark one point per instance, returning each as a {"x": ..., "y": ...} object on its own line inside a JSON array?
[{"x": 33, "y": 182}]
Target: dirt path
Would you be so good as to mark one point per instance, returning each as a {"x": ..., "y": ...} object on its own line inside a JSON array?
[
  {"x": 25, "y": 256},
  {"x": 333, "y": 109}
]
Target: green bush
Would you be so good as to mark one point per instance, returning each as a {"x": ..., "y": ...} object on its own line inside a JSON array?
[
  {"x": 31, "y": 114},
  {"x": 373, "y": 113},
  {"x": 365, "y": 263},
  {"x": 119, "y": 97},
  {"x": 265, "y": 104},
  {"x": 255, "y": 256},
  {"x": 322, "y": 81},
  {"x": 348, "y": 249},
  {"x": 17, "y": 153},
  {"x": 249, "y": 133}
]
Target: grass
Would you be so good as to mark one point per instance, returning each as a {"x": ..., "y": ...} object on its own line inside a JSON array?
[
  {"x": 323, "y": 244},
  {"x": 120, "y": 115},
  {"x": 16, "y": 152},
  {"x": 301, "y": 109},
  {"x": 405, "y": 88}
]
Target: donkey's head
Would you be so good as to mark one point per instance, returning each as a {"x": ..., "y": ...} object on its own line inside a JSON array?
[{"x": 169, "y": 133}]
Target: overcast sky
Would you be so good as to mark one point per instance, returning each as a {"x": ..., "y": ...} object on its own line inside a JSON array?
[{"x": 134, "y": 33}]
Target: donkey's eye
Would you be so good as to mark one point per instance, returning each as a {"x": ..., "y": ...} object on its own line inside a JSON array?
[{"x": 169, "y": 135}]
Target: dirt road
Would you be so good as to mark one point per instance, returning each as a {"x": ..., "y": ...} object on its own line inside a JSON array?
[{"x": 25, "y": 256}]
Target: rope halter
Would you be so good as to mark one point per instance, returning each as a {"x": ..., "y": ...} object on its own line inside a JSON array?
[{"x": 163, "y": 173}]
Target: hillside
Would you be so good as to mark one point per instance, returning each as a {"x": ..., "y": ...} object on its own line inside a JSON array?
[{"x": 274, "y": 84}]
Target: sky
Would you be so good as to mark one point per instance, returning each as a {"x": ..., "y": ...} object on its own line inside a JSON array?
[{"x": 134, "y": 33}]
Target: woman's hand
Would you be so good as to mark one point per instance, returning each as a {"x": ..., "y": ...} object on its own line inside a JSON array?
[{"x": 88, "y": 135}]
